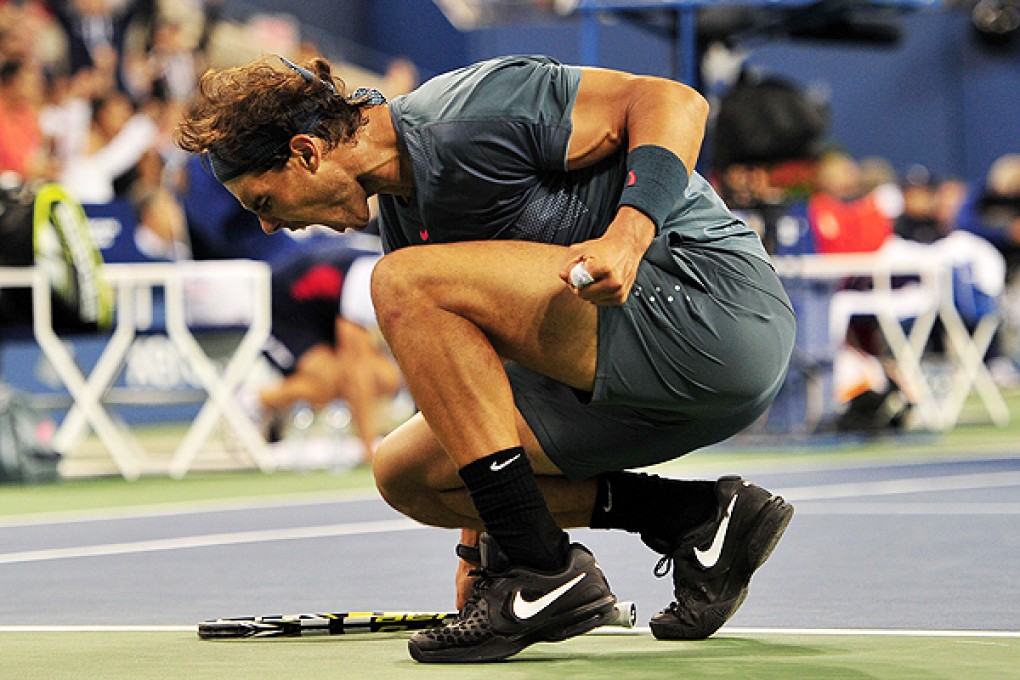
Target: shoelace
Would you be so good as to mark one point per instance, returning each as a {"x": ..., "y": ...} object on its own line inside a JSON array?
[
  {"x": 481, "y": 584},
  {"x": 482, "y": 577},
  {"x": 661, "y": 569}
]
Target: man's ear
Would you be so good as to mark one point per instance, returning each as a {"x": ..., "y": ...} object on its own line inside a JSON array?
[{"x": 307, "y": 151}]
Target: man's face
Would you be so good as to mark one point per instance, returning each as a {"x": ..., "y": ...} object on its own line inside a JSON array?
[{"x": 295, "y": 196}]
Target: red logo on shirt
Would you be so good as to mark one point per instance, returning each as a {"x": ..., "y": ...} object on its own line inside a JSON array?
[
  {"x": 631, "y": 178},
  {"x": 424, "y": 234}
]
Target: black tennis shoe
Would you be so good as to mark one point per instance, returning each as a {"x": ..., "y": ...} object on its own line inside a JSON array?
[
  {"x": 512, "y": 607},
  {"x": 713, "y": 563}
]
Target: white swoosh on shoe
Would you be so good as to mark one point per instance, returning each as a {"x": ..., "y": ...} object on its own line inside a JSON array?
[
  {"x": 523, "y": 609},
  {"x": 709, "y": 558}
]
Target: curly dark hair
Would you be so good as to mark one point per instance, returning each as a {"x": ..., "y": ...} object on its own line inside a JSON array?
[{"x": 242, "y": 110}]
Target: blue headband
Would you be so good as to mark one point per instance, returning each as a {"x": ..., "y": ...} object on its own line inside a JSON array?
[{"x": 265, "y": 144}]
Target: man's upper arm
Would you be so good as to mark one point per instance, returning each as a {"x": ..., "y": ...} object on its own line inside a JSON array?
[
  {"x": 617, "y": 110},
  {"x": 599, "y": 117}
]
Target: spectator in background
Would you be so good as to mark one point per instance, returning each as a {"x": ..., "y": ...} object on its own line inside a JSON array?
[
  {"x": 949, "y": 197},
  {"x": 166, "y": 70},
  {"x": 161, "y": 232},
  {"x": 27, "y": 32},
  {"x": 67, "y": 117},
  {"x": 844, "y": 215},
  {"x": 924, "y": 231},
  {"x": 23, "y": 147},
  {"x": 749, "y": 191},
  {"x": 991, "y": 208},
  {"x": 95, "y": 29},
  {"x": 118, "y": 138},
  {"x": 919, "y": 220}
]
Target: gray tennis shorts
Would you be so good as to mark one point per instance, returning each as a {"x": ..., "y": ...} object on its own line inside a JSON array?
[{"x": 688, "y": 361}]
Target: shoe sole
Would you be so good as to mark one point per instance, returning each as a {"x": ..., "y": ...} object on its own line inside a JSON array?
[
  {"x": 772, "y": 521},
  {"x": 570, "y": 624}
]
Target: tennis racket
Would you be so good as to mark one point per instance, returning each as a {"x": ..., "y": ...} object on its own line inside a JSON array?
[{"x": 349, "y": 623}]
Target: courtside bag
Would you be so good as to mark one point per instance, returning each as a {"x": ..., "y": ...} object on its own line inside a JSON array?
[{"x": 26, "y": 453}]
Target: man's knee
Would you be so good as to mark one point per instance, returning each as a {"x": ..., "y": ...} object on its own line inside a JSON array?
[
  {"x": 393, "y": 479},
  {"x": 396, "y": 289},
  {"x": 410, "y": 482}
]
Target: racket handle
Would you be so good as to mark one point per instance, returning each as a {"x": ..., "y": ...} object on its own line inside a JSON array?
[{"x": 625, "y": 616}]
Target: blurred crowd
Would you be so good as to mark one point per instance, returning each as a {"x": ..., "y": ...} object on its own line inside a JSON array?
[
  {"x": 856, "y": 204},
  {"x": 90, "y": 92}
]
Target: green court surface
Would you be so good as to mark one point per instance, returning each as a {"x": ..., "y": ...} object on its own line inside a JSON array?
[
  {"x": 179, "y": 655},
  {"x": 113, "y": 493}
]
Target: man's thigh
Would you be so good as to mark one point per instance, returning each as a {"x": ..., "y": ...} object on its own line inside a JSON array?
[{"x": 511, "y": 290}]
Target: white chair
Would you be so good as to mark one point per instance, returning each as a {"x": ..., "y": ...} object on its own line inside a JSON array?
[
  {"x": 971, "y": 267},
  {"x": 979, "y": 280},
  {"x": 134, "y": 285}
]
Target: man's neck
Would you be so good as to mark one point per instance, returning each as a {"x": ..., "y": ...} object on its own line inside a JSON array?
[{"x": 387, "y": 170}]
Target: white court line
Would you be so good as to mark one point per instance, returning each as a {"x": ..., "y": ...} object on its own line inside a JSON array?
[
  {"x": 211, "y": 540},
  {"x": 880, "y": 632},
  {"x": 639, "y": 630},
  {"x": 989, "y": 480},
  {"x": 811, "y": 460},
  {"x": 98, "y": 629}
]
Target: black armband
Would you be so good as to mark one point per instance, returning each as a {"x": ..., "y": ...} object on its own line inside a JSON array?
[{"x": 656, "y": 180}]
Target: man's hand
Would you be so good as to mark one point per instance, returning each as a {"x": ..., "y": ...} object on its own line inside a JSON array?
[{"x": 611, "y": 260}]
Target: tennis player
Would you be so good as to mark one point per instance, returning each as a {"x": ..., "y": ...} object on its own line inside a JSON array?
[{"x": 567, "y": 301}]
